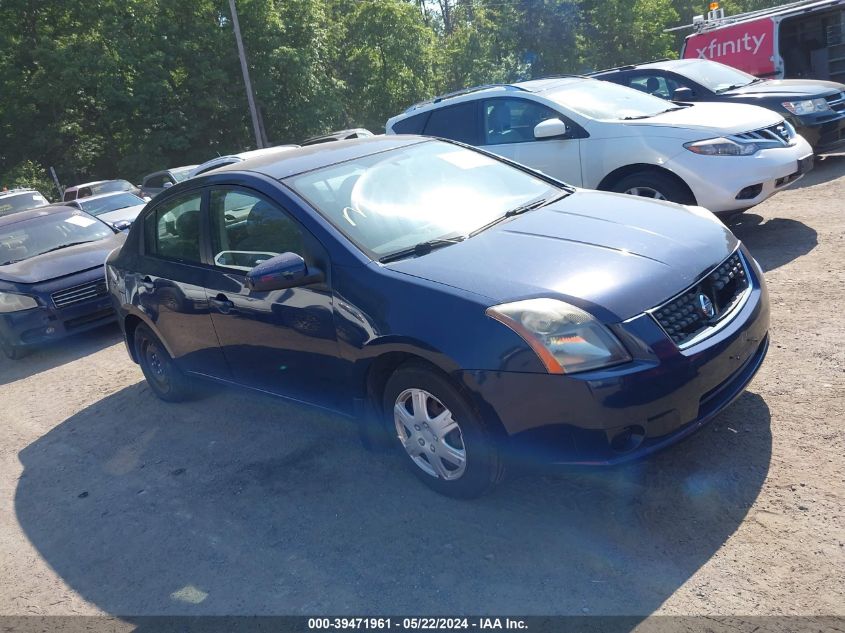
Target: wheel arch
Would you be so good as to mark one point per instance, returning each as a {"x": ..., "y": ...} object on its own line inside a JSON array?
[
  {"x": 131, "y": 321},
  {"x": 386, "y": 364},
  {"x": 618, "y": 174}
]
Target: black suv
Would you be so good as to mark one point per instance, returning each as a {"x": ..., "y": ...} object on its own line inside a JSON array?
[{"x": 816, "y": 108}]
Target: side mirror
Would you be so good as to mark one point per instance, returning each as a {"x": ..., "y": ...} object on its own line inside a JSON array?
[
  {"x": 167, "y": 184},
  {"x": 550, "y": 128},
  {"x": 122, "y": 225},
  {"x": 683, "y": 94},
  {"x": 287, "y": 270}
]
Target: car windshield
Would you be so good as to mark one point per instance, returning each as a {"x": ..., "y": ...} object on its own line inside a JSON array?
[
  {"x": 21, "y": 201},
  {"x": 432, "y": 190},
  {"x": 41, "y": 234},
  {"x": 607, "y": 101},
  {"x": 715, "y": 76},
  {"x": 111, "y": 185},
  {"x": 98, "y": 206},
  {"x": 181, "y": 173}
]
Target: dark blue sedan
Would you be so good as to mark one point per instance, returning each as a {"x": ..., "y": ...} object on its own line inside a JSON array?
[
  {"x": 51, "y": 276},
  {"x": 459, "y": 306}
]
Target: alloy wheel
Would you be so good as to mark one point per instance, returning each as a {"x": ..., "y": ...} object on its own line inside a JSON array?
[
  {"x": 645, "y": 192},
  {"x": 429, "y": 434}
]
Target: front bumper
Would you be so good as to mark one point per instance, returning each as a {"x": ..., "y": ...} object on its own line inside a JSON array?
[
  {"x": 662, "y": 396},
  {"x": 825, "y": 136},
  {"x": 47, "y": 323},
  {"x": 716, "y": 181}
]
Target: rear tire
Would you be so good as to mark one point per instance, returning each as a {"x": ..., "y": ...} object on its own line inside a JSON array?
[
  {"x": 444, "y": 442},
  {"x": 652, "y": 184},
  {"x": 165, "y": 379}
]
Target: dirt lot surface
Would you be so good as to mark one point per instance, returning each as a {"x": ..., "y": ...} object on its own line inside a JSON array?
[{"x": 113, "y": 502}]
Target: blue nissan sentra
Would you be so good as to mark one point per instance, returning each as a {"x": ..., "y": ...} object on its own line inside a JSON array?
[{"x": 461, "y": 307}]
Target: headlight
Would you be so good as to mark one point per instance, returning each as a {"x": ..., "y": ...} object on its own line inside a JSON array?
[
  {"x": 807, "y": 106},
  {"x": 11, "y": 302},
  {"x": 566, "y": 338},
  {"x": 722, "y": 147}
]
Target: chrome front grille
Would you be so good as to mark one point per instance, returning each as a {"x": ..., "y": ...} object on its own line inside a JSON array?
[
  {"x": 836, "y": 102},
  {"x": 77, "y": 294},
  {"x": 697, "y": 312},
  {"x": 779, "y": 135}
]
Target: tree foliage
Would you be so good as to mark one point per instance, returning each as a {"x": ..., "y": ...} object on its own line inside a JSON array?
[{"x": 118, "y": 88}]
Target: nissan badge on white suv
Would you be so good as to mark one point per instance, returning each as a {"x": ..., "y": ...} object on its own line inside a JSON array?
[{"x": 598, "y": 135}]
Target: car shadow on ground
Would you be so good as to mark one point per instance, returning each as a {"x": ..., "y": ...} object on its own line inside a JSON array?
[
  {"x": 49, "y": 356},
  {"x": 242, "y": 504},
  {"x": 775, "y": 242}
]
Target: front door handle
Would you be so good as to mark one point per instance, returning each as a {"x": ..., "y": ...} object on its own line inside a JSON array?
[
  {"x": 147, "y": 283},
  {"x": 221, "y": 304}
]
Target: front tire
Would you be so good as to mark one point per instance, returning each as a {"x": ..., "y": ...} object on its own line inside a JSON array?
[
  {"x": 445, "y": 443},
  {"x": 654, "y": 185},
  {"x": 165, "y": 379},
  {"x": 10, "y": 351}
]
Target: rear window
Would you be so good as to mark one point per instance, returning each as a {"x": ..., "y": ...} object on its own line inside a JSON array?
[
  {"x": 412, "y": 125},
  {"x": 458, "y": 123}
]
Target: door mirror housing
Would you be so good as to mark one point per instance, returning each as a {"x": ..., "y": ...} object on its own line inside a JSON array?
[
  {"x": 683, "y": 94},
  {"x": 287, "y": 270},
  {"x": 550, "y": 128},
  {"x": 122, "y": 225}
]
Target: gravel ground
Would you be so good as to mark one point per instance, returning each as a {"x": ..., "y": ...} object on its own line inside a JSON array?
[{"x": 113, "y": 502}]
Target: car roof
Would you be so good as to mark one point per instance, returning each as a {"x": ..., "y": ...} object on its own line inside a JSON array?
[
  {"x": 663, "y": 64},
  {"x": 297, "y": 161},
  {"x": 16, "y": 192},
  {"x": 169, "y": 169},
  {"x": 107, "y": 194},
  {"x": 538, "y": 85},
  {"x": 20, "y": 216},
  {"x": 85, "y": 184}
]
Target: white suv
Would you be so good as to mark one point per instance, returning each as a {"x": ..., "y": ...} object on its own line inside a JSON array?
[{"x": 594, "y": 134}]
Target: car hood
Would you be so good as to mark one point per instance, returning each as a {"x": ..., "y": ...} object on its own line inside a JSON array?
[
  {"x": 127, "y": 213},
  {"x": 61, "y": 263},
  {"x": 806, "y": 88},
  {"x": 613, "y": 254},
  {"x": 717, "y": 118}
]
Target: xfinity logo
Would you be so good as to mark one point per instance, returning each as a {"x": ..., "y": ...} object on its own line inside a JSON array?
[
  {"x": 731, "y": 47},
  {"x": 705, "y": 306}
]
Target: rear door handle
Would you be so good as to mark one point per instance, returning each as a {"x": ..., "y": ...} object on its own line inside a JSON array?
[{"x": 221, "y": 304}]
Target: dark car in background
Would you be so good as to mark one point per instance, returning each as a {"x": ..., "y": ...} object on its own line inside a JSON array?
[
  {"x": 459, "y": 305},
  {"x": 156, "y": 182},
  {"x": 814, "y": 107},
  {"x": 51, "y": 276},
  {"x": 20, "y": 200}
]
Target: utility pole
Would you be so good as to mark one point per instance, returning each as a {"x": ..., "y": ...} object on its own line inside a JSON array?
[{"x": 253, "y": 111}]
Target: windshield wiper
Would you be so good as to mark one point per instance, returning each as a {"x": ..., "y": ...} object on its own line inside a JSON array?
[
  {"x": 423, "y": 248},
  {"x": 57, "y": 248},
  {"x": 528, "y": 206}
]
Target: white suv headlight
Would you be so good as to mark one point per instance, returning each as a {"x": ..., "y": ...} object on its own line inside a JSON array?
[
  {"x": 807, "y": 106},
  {"x": 11, "y": 302},
  {"x": 722, "y": 147},
  {"x": 566, "y": 338}
]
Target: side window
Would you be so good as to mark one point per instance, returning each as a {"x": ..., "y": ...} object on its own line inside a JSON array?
[
  {"x": 85, "y": 192},
  {"x": 156, "y": 182},
  {"x": 411, "y": 125},
  {"x": 172, "y": 230},
  {"x": 513, "y": 120},
  {"x": 657, "y": 85},
  {"x": 457, "y": 122},
  {"x": 246, "y": 230},
  {"x": 69, "y": 195}
]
